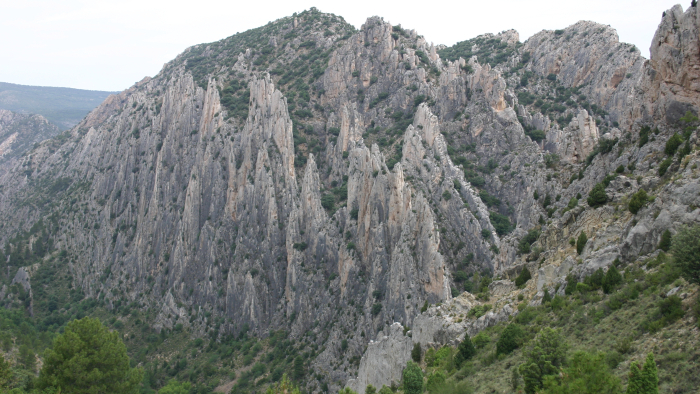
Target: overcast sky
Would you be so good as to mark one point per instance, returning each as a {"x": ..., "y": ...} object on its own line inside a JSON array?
[{"x": 109, "y": 45}]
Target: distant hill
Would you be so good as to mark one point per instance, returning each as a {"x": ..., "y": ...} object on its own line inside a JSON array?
[{"x": 63, "y": 106}]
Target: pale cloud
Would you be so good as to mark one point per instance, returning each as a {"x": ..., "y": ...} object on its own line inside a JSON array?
[{"x": 109, "y": 45}]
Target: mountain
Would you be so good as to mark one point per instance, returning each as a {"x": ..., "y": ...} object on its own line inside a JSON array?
[
  {"x": 310, "y": 199},
  {"x": 19, "y": 133},
  {"x": 63, "y": 106}
]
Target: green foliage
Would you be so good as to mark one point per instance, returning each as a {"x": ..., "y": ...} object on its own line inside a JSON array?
[
  {"x": 479, "y": 310},
  {"x": 611, "y": 280},
  {"x": 536, "y": 135},
  {"x": 587, "y": 374},
  {"x": 643, "y": 380},
  {"x": 485, "y": 233},
  {"x": 525, "y": 243},
  {"x": 686, "y": 252},
  {"x": 637, "y": 201},
  {"x": 435, "y": 382},
  {"x": 5, "y": 373},
  {"x": 376, "y": 308},
  {"x": 328, "y": 201},
  {"x": 501, "y": 223},
  {"x": 285, "y": 386},
  {"x": 174, "y": 387},
  {"x": 668, "y": 310},
  {"x": 597, "y": 196},
  {"x": 663, "y": 167},
  {"x": 370, "y": 389},
  {"x": 545, "y": 357},
  {"x": 446, "y": 195},
  {"x": 665, "y": 242},
  {"x": 412, "y": 379},
  {"x": 581, "y": 242},
  {"x": 416, "y": 353},
  {"x": 522, "y": 279},
  {"x": 643, "y": 136},
  {"x": 511, "y": 338},
  {"x": 88, "y": 358},
  {"x": 488, "y": 199},
  {"x": 672, "y": 144},
  {"x": 465, "y": 351}
]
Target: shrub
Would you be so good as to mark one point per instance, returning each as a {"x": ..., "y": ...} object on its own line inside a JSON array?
[
  {"x": 511, "y": 338},
  {"x": 376, "y": 308},
  {"x": 435, "y": 382},
  {"x": 581, "y": 242},
  {"x": 637, "y": 201},
  {"x": 416, "y": 353},
  {"x": 686, "y": 252},
  {"x": 412, "y": 379},
  {"x": 620, "y": 169},
  {"x": 446, "y": 195},
  {"x": 501, "y": 223},
  {"x": 665, "y": 242},
  {"x": 643, "y": 136},
  {"x": 611, "y": 280},
  {"x": 663, "y": 167},
  {"x": 527, "y": 241},
  {"x": 485, "y": 233},
  {"x": 597, "y": 196},
  {"x": 545, "y": 357},
  {"x": 672, "y": 144},
  {"x": 481, "y": 340},
  {"x": 586, "y": 374},
  {"x": 327, "y": 201},
  {"x": 465, "y": 351},
  {"x": 523, "y": 277}
]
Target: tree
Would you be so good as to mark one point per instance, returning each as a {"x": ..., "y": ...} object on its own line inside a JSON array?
[
  {"x": 523, "y": 277},
  {"x": 174, "y": 387},
  {"x": 385, "y": 390},
  {"x": 5, "y": 373},
  {"x": 88, "y": 358},
  {"x": 686, "y": 252},
  {"x": 643, "y": 380},
  {"x": 465, "y": 351},
  {"x": 436, "y": 381},
  {"x": 612, "y": 278},
  {"x": 581, "y": 242},
  {"x": 298, "y": 368},
  {"x": 370, "y": 389},
  {"x": 672, "y": 144},
  {"x": 665, "y": 241},
  {"x": 650, "y": 379},
  {"x": 285, "y": 386},
  {"x": 587, "y": 374},
  {"x": 510, "y": 339},
  {"x": 416, "y": 353},
  {"x": 637, "y": 201},
  {"x": 545, "y": 358},
  {"x": 597, "y": 196},
  {"x": 412, "y": 379}
]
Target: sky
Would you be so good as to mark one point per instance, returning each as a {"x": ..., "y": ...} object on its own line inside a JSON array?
[{"x": 109, "y": 45}]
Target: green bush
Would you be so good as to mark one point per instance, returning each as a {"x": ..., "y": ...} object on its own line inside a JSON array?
[
  {"x": 465, "y": 351},
  {"x": 501, "y": 223},
  {"x": 416, "y": 353},
  {"x": 597, "y": 196},
  {"x": 485, "y": 233},
  {"x": 643, "y": 136},
  {"x": 527, "y": 241},
  {"x": 637, "y": 201},
  {"x": 685, "y": 248},
  {"x": 482, "y": 339},
  {"x": 665, "y": 242},
  {"x": 546, "y": 356},
  {"x": 522, "y": 279},
  {"x": 412, "y": 379},
  {"x": 376, "y": 308},
  {"x": 612, "y": 279},
  {"x": 672, "y": 144},
  {"x": 581, "y": 242},
  {"x": 663, "y": 167},
  {"x": 620, "y": 169},
  {"x": 511, "y": 338},
  {"x": 446, "y": 195},
  {"x": 586, "y": 374}
]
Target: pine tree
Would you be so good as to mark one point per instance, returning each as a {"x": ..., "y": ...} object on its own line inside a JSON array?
[
  {"x": 5, "y": 373},
  {"x": 416, "y": 353},
  {"x": 635, "y": 379},
  {"x": 650, "y": 379},
  {"x": 612, "y": 278},
  {"x": 465, "y": 351},
  {"x": 581, "y": 242}
]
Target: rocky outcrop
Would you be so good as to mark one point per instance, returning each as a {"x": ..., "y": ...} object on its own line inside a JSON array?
[
  {"x": 575, "y": 141},
  {"x": 19, "y": 133}
]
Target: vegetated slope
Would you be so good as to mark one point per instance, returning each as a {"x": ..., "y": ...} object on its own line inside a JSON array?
[
  {"x": 327, "y": 182},
  {"x": 19, "y": 133},
  {"x": 64, "y": 107}
]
